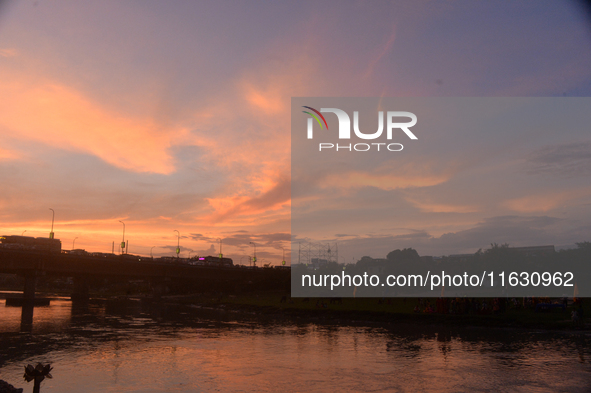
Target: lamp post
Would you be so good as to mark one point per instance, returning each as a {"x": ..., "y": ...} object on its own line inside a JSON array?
[
  {"x": 178, "y": 244},
  {"x": 52, "y": 218},
  {"x": 151, "y": 255},
  {"x": 74, "y": 242},
  {"x": 123, "y": 240},
  {"x": 254, "y": 258},
  {"x": 221, "y": 255},
  {"x": 283, "y": 260},
  {"x": 22, "y": 234}
]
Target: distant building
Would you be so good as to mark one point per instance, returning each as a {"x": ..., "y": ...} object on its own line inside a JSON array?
[
  {"x": 458, "y": 258},
  {"x": 31, "y": 243},
  {"x": 531, "y": 251}
]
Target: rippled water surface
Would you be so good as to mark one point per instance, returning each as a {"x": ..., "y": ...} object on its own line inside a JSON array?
[{"x": 133, "y": 347}]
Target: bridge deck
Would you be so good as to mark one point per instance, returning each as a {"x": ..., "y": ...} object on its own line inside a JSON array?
[{"x": 25, "y": 262}]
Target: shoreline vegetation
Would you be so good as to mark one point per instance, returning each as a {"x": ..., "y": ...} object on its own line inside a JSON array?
[{"x": 517, "y": 313}]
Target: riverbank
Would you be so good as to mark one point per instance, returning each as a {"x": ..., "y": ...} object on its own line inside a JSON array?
[
  {"x": 5, "y": 387},
  {"x": 393, "y": 310}
]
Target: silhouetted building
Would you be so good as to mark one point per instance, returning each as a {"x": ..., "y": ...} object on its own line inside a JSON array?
[{"x": 31, "y": 243}]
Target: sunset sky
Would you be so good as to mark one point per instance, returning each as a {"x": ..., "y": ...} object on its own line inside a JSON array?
[{"x": 176, "y": 116}]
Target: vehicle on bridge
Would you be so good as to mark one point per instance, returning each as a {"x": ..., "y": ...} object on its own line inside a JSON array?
[
  {"x": 212, "y": 261},
  {"x": 77, "y": 251},
  {"x": 31, "y": 243},
  {"x": 102, "y": 254}
]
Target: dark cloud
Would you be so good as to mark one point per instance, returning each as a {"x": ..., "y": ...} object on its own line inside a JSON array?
[
  {"x": 200, "y": 237},
  {"x": 573, "y": 159},
  {"x": 243, "y": 239},
  {"x": 171, "y": 251},
  {"x": 515, "y": 230}
]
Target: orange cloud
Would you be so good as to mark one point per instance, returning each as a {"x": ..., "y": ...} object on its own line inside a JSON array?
[
  {"x": 62, "y": 117},
  {"x": 242, "y": 131},
  {"x": 384, "y": 182},
  {"x": 544, "y": 202},
  {"x": 442, "y": 208},
  {"x": 270, "y": 101},
  {"x": 273, "y": 200},
  {"x": 252, "y": 143},
  {"x": 404, "y": 178},
  {"x": 6, "y": 155}
]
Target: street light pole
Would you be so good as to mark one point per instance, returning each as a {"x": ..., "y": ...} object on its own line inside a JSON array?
[
  {"x": 221, "y": 255},
  {"x": 74, "y": 242},
  {"x": 123, "y": 240},
  {"x": 151, "y": 255},
  {"x": 178, "y": 244},
  {"x": 52, "y": 218},
  {"x": 254, "y": 259},
  {"x": 283, "y": 260},
  {"x": 22, "y": 234}
]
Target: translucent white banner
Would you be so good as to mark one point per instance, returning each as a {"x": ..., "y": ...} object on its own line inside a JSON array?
[{"x": 441, "y": 197}]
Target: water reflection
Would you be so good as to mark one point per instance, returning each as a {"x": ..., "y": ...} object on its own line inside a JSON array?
[
  {"x": 27, "y": 318},
  {"x": 129, "y": 346}
]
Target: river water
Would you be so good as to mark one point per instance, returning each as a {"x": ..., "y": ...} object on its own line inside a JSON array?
[{"x": 128, "y": 346}]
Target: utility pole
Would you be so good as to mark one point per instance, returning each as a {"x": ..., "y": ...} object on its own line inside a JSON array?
[
  {"x": 123, "y": 240},
  {"x": 52, "y": 218},
  {"x": 254, "y": 259},
  {"x": 178, "y": 244}
]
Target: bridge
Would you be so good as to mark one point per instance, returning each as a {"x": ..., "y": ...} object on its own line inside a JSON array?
[{"x": 31, "y": 264}]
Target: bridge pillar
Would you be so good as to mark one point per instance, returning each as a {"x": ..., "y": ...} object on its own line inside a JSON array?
[
  {"x": 27, "y": 317},
  {"x": 29, "y": 289},
  {"x": 80, "y": 292}
]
